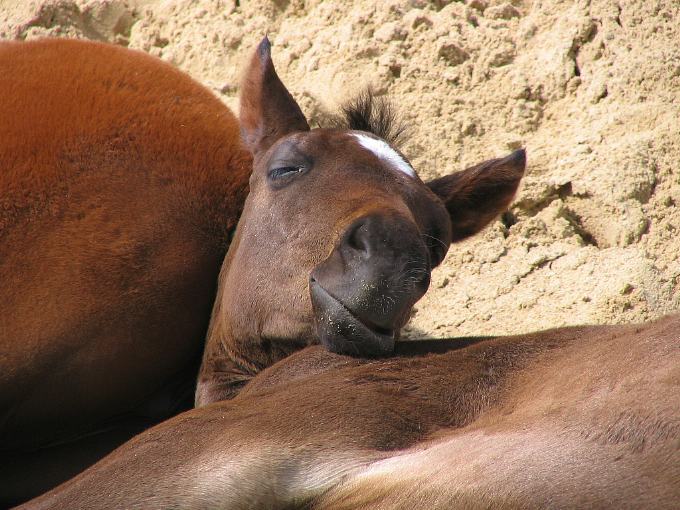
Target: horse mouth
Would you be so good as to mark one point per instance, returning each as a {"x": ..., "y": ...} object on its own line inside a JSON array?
[{"x": 342, "y": 332}]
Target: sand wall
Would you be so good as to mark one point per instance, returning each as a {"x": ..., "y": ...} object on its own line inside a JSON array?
[{"x": 590, "y": 88}]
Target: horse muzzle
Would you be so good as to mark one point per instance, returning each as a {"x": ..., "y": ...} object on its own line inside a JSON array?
[{"x": 362, "y": 294}]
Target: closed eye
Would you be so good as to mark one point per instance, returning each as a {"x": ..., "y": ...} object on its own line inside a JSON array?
[{"x": 285, "y": 171}]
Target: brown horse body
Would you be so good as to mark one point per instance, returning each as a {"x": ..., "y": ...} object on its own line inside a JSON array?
[
  {"x": 584, "y": 417},
  {"x": 120, "y": 182}
]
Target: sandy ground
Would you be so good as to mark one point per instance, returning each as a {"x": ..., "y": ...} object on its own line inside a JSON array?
[{"x": 590, "y": 88}]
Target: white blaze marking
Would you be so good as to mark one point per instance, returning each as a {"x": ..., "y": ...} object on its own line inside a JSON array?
[{"x": 381, "y": 149}]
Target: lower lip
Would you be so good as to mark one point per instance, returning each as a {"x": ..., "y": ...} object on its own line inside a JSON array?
[{"x": 332, "y": 314}]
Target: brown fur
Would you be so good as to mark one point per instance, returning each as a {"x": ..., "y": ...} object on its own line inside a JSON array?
[
  {"x": 120, "y": 182},
  {"x": 573, "y": 417}
]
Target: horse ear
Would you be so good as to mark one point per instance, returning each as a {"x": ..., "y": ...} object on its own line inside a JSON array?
[
  {"x": 475, "y": 196},
  {"x": 268, "y": 111}
]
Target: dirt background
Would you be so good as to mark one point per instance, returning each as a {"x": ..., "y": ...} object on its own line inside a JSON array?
[{"x": 590, "y": 88}]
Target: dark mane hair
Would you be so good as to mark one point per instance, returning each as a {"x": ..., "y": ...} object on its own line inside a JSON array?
[{"x": 368, "y": 112}]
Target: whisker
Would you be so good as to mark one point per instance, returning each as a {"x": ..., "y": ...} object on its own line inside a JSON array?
[{"x": 438, "y": 240}]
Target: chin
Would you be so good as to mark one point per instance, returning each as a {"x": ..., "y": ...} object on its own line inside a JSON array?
[{"x": 343, "y": 333}]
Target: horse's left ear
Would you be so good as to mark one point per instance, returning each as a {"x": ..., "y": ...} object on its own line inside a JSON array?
[
  {"x": 475, "y": 196},
  {"x": 268, "y": 111}
]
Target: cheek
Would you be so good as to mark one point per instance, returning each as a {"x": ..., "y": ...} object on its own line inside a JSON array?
[
  {"x": 272, "y": 302},
  {"x": 289, "y": 313},
  {"x": 271, "y": 266}
]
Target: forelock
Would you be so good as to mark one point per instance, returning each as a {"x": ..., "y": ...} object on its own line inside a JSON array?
[{"x": 376, "y": 115}]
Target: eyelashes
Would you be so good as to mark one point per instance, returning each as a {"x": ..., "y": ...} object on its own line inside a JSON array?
[{"x": 285, "y": 172}]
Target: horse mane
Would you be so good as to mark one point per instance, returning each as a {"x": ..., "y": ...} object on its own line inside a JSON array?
[{"x": 368, "y": 112}]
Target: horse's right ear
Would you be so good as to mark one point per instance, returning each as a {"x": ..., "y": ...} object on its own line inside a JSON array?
[{"x": 268, "y": 111}]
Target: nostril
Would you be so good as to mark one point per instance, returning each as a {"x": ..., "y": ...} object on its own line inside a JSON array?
[{"x": 358, "y": 239}]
